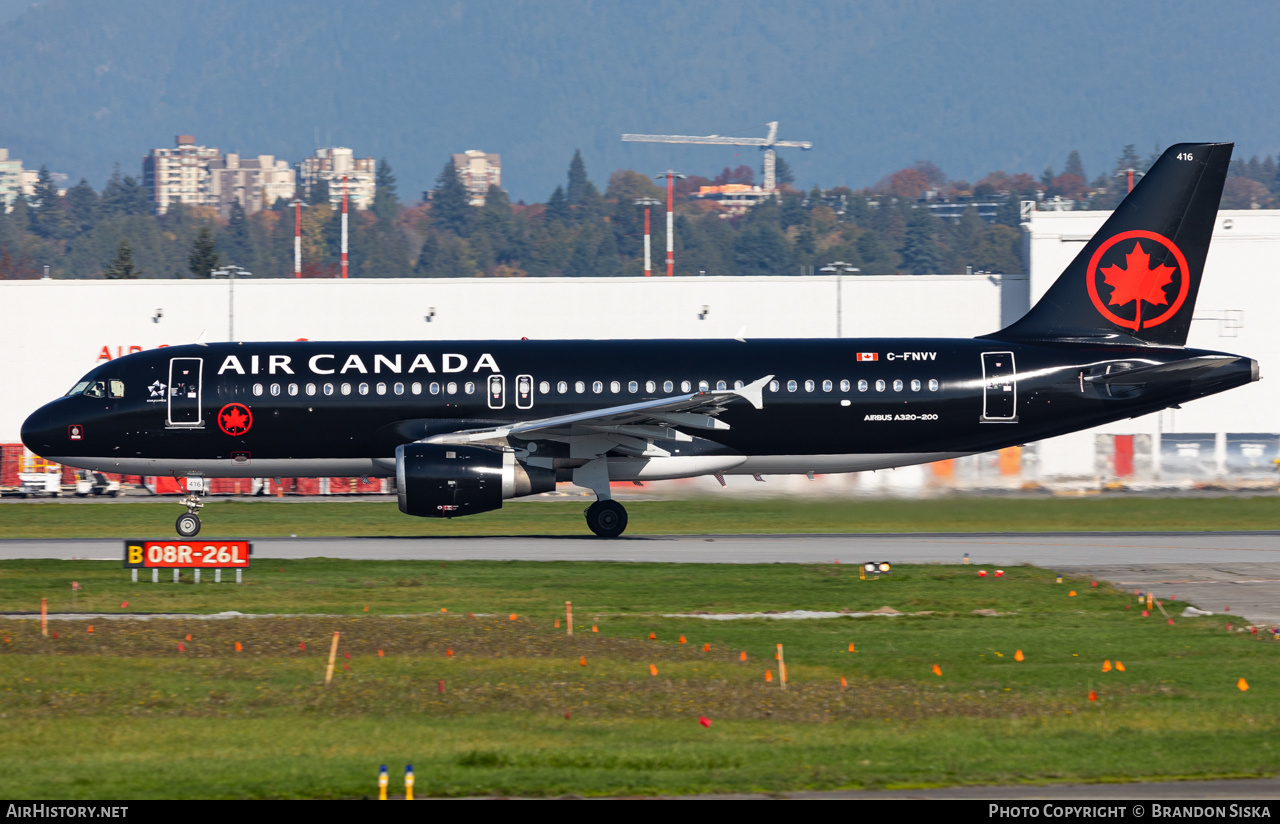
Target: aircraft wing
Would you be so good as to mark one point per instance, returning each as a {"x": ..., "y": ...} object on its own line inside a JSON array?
[{"x": 628, "y": 425}]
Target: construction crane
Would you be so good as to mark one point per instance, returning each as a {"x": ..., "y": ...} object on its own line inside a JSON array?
[{"x": 768, "y": 144}]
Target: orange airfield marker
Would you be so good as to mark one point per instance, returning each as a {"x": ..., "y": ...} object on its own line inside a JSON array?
[
  {"x": 682, "y": 639},
  {"x": 1093, "y": 696},
  {"x": 1242, "y": 685},
  {"x": 843, "y": 682},
  {"x": 706, "y": 648},
  {"x": 582, "y": 661},
  {"x": 652, "y": 637},
  {"x": 768, "y": 676},
  {"x": 1018, "y": 656},
  {"x": 595, "y": 628},
  {"x": 1106, "y": 666},
  {"x": 937, "y": 670},
  {"x": 238, "y": 647},
  {"x": 653, "y": 669},
  {"x": 851, "y": 649},
  {"x": 1120, "y": 665},
  {"x": 742, "y": 656}
]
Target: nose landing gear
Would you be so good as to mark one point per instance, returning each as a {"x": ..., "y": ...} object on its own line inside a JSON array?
[{"x": 188, "y": 523}]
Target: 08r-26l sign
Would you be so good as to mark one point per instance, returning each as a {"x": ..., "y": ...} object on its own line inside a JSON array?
[{"x": 187, "y": 554}]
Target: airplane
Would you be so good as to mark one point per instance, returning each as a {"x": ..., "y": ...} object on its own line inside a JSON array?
[{"x": 465, "y": 425}]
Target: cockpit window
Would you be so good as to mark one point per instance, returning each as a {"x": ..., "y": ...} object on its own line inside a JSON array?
[
  {"x": 78, "y": 388},
  {"x": 96, "y": 390},
  {"x": 115, "y": 389}
]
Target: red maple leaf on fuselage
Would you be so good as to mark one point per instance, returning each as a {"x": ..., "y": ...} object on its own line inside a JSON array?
[
  {"x": 234, "y": 419},
  {"x": 1138, "y": 281}
]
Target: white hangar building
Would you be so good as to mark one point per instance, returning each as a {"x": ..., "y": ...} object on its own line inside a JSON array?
[{"x": 59, "y": 329}]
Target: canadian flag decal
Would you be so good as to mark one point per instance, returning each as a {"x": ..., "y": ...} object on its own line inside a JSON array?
[{"x": 866, "y": 356}]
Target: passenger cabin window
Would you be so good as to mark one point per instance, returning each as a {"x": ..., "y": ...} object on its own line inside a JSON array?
[
  {"x": 346, "y": 389},
  {"x": 115, "y": 389},
  {"x": 311, "y": 389},
  {"x": 862, "y": 386},
  {"x": 562, "y": 387},
  {"x": 826, "y": 386},
  {"x": 844, "y": 385},
  {"x": 451, "y": 388},
  {"x": 721, "y": 385},
  {"x": 915, "y": 386},
  {"x": 650, "y": 386},
  {"x": 633, "y": 387},
  {"x": 415, "y": 388},
  {"x": 293, "y": 389},
  {"x": 275, "y": 390},
  {"x": 597, "y": 387},
  {"x": 808, "y": 386},
  {"x": 737, "y": 384},
  {"x": 773, "y": 386},
  {"x": 897, "y": 386},
  {"x": 879, "y": 386},
  {"x": 668, "y": 386},
  {"x": 470, "y": 388},
  {"x": 615, "y": 387},
  {"x": 579, "y": 387},
  {"x": 434, "y": 388},
  {"x": 703, "y": 386},
  {"x": 328, "y": 389},
  {"x": 364, "y": 389},
  {"x": 257, "y": 389},
  {"x": 398, "y": 388},
  {"x": 791, "y": 386},
  {"x": 381, "y": 389},
  {"x": 685, "y": 386},
  {"x": 544, "y": 387},
  {"x": 933, "y": 386}
]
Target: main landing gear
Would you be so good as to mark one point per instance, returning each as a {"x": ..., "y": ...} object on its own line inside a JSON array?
[
  {"x": 607, "y": 519},
  {"x": 188, "y": 523}
]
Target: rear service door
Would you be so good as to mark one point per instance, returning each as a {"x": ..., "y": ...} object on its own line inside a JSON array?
[
  {"x": 999, "y": 388},
  {"x": 184, "y": 392}
]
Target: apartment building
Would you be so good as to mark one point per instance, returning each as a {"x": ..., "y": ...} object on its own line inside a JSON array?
[
  {"x": 179, "y": 174},
  {"x": 331, "y": 165},
  {"x": 478, "y": 171},
  {"x": 255, "y": 183}
]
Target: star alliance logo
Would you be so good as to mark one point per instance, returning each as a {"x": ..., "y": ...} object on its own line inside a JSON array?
[{"x": 156, "y": 389}]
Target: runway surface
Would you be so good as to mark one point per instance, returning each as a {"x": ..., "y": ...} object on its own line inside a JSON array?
[{"x": 1213, "y": 570}]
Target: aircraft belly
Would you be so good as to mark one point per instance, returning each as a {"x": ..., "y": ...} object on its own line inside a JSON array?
[
  {"x": 656, "y": 469},
  {"x": 256, "y": 468},
  {"x": 800, "y": 464}
]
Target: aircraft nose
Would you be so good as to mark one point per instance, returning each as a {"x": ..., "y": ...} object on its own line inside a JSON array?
[
  {"x": 1255, "y": 371},
  {"x": 37, "y": 431}
]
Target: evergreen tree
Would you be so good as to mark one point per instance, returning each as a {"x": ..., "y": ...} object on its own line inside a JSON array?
[
  {"x": 235, "y": 241},
  {"x": 577, "y": 192},
  {"x": 1075, "y": 166},
  {"x": 968, "y": 232},
  {"x": 763, "y": 251},
  {"x": 558, "y": 207},
  {"x": 921, "y": 254},
  {"x": 82, "y": 206},
  {"x": 48, "y": 218},
  {"x": 386, "y": 205},
  {"x": 450, "y": 204},
  {"x": 792, "y": 212},
  {"x": 878, "y": 258},
  {"x": 319, "y": 194},
  {"x": 445, "y": 255},
  {"x": 204, "y": 257},
  {"x": 123, "y": 195},
  {"x": 1046, "y": 177},
  {"x": 123, "y": 267},
  {"x": 1010, "y": 211}
]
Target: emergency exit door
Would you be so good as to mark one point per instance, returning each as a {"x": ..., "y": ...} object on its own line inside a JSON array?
[
  {"x": 999, "y": 388},
  {"x": 497, "y": 391},
  {"x": 524, "y": 392},
  {"x": 184, "y": 392}
]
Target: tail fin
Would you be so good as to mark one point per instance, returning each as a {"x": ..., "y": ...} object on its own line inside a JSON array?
[{"x": 1137, "y": 279}]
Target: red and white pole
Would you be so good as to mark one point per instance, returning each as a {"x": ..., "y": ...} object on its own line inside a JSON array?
[
  {"x": 344, "y": 226},
  {"x": 671, "y": 254},
  {"x": 297, "y": 238},
  {"x": 648, "y": 266}
]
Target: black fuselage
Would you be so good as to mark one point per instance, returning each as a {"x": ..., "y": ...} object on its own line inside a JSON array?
[{"x": 307, "y": 408}]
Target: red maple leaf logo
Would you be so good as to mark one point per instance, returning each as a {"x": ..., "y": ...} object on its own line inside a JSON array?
[
  {"x": 234, "y": 420},
  {"x": 1138, "y": 281}
]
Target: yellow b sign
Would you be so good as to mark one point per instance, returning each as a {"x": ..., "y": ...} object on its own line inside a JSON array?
[{"x": 133, "y": 554}]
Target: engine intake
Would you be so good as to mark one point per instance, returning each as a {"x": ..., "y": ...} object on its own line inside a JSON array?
[{"x": 443, "y": 481}]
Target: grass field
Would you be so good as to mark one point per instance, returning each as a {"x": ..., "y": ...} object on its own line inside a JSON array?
[
  {"x": 122, "y": 712},
  {"x": 705, "y": 515}
]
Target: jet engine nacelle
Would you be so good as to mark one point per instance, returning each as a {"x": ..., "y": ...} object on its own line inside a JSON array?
[{"x": 444, "y": 481}]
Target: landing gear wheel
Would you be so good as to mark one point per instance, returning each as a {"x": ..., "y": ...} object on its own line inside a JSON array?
[
  {"x": 188, "y": 525},
  {"x": 607, "y": 519}
]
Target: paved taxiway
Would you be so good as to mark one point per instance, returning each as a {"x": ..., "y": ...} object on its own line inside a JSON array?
[{"x": 1209, "y": 569}]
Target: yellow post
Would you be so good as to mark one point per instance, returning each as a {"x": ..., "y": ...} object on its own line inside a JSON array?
[
  {"x": 782, "y": 668},
  {"x": 328, "y": 676},
  {"x": 382, "y": 773},
  {"x": 44, "y": 617},
  {"x": 568, "y": 616},
  {"x": 408, "y": 782}
]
